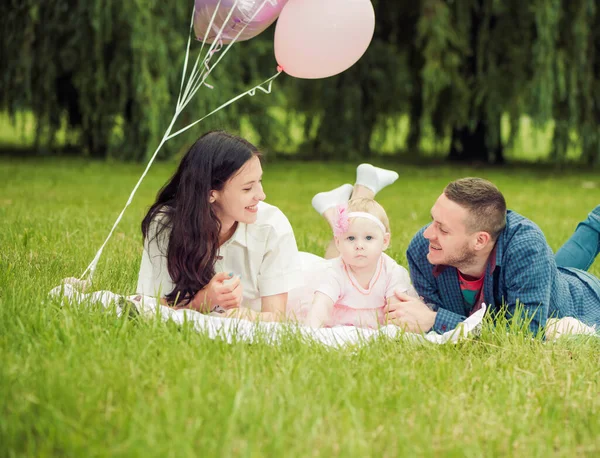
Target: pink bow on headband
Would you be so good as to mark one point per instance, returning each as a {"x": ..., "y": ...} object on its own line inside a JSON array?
[{"x": 341, "y": 223}]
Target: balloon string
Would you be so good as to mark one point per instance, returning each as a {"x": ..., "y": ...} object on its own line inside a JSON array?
[
  {"x": 207, "y": 61},
  {"x": 250, "y": 92},
  {"x": 92, "y": 267},
  {"x": 187, "y": 51},
  {"x": 195, "y": 68},
  {"x": 195, "y": 75},
  {"x": 189, "y": 92},
  {"x": 209, "y": 71}
]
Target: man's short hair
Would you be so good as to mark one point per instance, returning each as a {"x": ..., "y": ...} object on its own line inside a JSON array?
[{"x": 483, "y": 200}]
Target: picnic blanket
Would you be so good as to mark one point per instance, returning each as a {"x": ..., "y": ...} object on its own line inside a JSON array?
[{"x": 234, "y": 329}]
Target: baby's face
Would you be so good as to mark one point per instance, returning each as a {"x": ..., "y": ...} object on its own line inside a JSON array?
[{"x": 362, "y": 245}]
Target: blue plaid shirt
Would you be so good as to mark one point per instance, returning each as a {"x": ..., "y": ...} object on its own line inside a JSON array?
[{"x": 521, "y": 268}]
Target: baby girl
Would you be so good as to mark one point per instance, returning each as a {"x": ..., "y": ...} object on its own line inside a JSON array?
[{"x": 357, "y": 285}]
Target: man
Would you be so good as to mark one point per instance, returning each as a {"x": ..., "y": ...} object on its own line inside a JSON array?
[{"x": 475, "y": 251}]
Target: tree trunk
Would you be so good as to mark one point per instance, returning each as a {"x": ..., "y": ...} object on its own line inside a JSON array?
[
  {"x": 475, "y": 145},
  {"x": 416, "y": 109},
  {"x": 472, "y": 146}
]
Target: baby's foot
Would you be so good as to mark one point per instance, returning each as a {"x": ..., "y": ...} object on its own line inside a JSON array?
[
  {"x": 374, "y": 178},
  {"x": 326, "y": 200}
]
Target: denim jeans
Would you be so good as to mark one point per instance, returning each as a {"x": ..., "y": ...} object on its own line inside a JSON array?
[{"x": 583, "y": 246}]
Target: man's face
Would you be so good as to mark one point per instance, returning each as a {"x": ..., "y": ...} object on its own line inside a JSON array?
[{"x": 450, "y": 241}]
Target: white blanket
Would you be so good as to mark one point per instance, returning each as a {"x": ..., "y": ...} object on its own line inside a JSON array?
[{"x": 232, "y": 329}]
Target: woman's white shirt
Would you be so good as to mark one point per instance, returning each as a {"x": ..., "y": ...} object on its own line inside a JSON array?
[{"x": 264, "y": 254}]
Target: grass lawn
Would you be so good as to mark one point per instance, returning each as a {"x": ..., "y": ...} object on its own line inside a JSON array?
[{"x": 82, "y": 382}]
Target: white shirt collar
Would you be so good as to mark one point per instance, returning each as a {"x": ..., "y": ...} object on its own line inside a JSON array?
[{"x": 239, "y": 236}]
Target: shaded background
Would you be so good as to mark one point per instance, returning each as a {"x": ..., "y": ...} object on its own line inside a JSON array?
[{"x": 468, "y": 80}]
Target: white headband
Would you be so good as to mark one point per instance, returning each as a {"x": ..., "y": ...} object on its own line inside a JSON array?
[
  {"x": 368, "y": 216},
  {"x": 342, "y": 223}
]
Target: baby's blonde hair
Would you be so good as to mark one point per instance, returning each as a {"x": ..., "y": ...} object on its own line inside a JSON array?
[{"x": 372, "y": 207}]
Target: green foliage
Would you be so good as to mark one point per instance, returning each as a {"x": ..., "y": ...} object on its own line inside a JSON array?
[
  {"x": 112, "y": 71},
  {"x": 344, "y": 113},
  {"x": 487, "y": 58},
  {"x": 576, "y": 77},
  {"x": 476, "y": 68}
]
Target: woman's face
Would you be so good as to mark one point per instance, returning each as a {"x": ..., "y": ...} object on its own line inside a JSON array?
[{"x": 238, "y": 199}]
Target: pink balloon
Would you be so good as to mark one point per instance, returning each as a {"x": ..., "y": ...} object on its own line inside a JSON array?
[
  {"x": 257, "y": 15},
  {"x": 321, "y": 38}
]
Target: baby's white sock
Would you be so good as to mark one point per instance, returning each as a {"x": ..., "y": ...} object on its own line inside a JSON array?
[
  {"x": 325, "y": 200},
  {"x": 374, "y": 178}
]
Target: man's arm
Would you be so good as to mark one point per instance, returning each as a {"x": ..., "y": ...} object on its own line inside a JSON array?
[{"x": 530, "y": 272}]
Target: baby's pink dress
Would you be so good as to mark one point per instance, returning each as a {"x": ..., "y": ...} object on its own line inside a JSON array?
[{"x": 355, "y": 305}]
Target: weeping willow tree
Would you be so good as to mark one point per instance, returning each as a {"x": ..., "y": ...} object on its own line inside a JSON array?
[
  {"x": 572, "y": 78},
  {"x": 342, "y": 113},
  {"x": 485, "y": 59},
  {"x": 457, "y": 66},
  {"x": 476, "y": 68},
  {"x": 461, "y": 66},
  {"x": 111, "y": 71}
]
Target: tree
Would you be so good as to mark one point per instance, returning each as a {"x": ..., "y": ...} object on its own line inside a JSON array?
[
  {"x": 461, "y": 66},
  {"x": 342, "y": 113},
  {"x": 572, "y": 78},
  {"x": 442, "y": 63},
  {"x": 477, "y": 56},
  {"x": 111, "y": 70}
]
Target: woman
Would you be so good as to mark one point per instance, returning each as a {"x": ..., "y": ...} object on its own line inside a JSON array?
[{"x": 211, "y": 243}]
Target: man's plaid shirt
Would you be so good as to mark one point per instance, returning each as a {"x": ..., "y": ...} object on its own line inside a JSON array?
[{"x": 521, "y": 268}]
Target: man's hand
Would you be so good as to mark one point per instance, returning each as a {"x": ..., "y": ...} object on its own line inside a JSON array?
[{"x": 409, "y": 313}]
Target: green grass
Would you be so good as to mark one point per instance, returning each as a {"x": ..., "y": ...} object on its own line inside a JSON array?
[{"x": 78, "y": 381}]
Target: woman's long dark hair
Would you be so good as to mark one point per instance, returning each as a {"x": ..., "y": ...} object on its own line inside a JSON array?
[{"x": 182, "y": 206}]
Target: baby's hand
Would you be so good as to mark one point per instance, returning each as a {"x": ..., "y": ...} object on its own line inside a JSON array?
[
  {"x": 313, "y": 321},
  {"x": 320, "y": 311}
]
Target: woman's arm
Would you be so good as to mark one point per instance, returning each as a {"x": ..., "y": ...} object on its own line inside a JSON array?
[
  {"x": 272, "y": 309},
  {"x": 153, "y": 278},
  {"x": 217, "y": 292},
  {"x": 198, "y": 303}
]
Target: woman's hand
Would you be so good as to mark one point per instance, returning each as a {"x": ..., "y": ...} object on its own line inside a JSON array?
[{"x": 224, "y": 290}]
